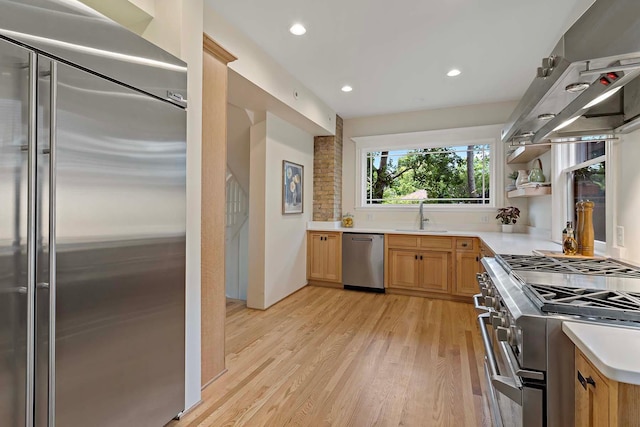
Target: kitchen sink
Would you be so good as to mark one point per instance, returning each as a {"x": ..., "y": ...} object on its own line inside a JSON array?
[{"x": 414, "y": 230}]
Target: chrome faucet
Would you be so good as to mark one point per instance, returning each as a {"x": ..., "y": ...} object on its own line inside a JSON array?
[{"x": 422, "y": 218}]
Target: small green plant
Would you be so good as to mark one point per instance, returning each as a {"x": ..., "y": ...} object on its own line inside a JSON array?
[
  {"x": 508, "y": 215},
  {"x": 513, "y": 175}
]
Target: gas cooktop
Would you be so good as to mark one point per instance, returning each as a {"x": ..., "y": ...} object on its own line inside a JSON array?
[
  {"x": 595, "y": 288},
  {"x": 590, "y": 267}
]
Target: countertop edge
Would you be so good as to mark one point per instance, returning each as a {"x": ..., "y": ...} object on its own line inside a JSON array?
[
  {"x": 578, "y": 333},
  {"x": 512, "y": 243}
]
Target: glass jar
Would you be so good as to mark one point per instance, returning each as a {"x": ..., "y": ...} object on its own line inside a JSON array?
[{"x": 347, "y": 220}]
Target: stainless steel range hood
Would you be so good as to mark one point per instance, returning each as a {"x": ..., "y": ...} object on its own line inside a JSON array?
[{"x": 589, "y": 87}]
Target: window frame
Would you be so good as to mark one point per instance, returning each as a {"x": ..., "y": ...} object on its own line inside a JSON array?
[
  {"x": 566, "y": 158},
  {"x": 479, "y": 135}
]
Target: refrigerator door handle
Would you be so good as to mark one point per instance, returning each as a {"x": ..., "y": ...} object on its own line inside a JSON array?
[
  {"x": 31, "y": 236},
  {"x": 51, "y": 413}
]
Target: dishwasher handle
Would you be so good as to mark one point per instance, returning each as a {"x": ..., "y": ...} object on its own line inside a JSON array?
[{"x": 361, "y": 239}]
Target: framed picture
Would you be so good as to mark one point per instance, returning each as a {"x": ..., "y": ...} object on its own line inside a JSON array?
[{"x": 292, "y": 188}]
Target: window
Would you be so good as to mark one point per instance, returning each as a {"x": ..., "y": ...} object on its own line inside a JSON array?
[
  {"x": 587, "y": 181},
  {"x": 444, "y": 175}
]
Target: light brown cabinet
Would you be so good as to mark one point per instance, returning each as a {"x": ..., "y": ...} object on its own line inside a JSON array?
[
  {"x": 419, "y": 270},
  {"x": 467, "y": 266},
  {"x": 324, "y": 256},
  {"x": 432, "y": 266},
  {"x": 603, "y": 402}
]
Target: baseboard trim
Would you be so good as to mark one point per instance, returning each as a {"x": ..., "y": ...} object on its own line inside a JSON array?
[
  {"x": 325, "y": 284},
  {"x": 224, "y": 371},
  {"x": 426, "y": 294}
]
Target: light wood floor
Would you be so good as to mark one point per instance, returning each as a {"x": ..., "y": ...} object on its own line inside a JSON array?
[{"x": 329, "y": 357}]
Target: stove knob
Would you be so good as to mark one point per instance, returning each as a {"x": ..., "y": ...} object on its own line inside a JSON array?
[
  {"x": 487, "y": 291},
  {"x": 504, "y": 334},
  {"x": 497, "y": 320},
  {"x": 489, "y": 302}
]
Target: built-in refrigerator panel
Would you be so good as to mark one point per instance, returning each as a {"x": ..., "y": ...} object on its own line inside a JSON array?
[
  {"x": 14, "y": 135},
  {"x": 120, "y": 170}
]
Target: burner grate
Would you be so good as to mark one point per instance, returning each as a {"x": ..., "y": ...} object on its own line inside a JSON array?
[
  {"x": 587, "y": 302},
  {"x": 589, "y": 267}
]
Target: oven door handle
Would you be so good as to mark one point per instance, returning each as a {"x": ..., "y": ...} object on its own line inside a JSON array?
[
  {"x": 509, "y": 386},
  {"x": 478, "y": 305}
]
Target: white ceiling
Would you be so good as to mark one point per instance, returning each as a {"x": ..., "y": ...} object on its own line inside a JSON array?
[{"x": 396, "y": 54}]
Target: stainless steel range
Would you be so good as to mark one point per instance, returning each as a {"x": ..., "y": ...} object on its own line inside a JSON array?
[{"x": 524, "y": 300}]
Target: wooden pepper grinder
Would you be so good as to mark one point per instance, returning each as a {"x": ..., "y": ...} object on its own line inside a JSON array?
[
  {"x": 587, "y": 238},
  {"x": 579, "y": 224}
]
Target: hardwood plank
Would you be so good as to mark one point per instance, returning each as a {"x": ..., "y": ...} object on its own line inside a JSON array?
[{"x": 330, "y": 357}]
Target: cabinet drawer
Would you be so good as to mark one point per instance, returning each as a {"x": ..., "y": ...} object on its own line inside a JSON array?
[
  {"x": 465, "y": 244},
  {"x": 435, "y": 242},
  {"x": 486, "y": 250},
  {"x": 402, "y": 241}
]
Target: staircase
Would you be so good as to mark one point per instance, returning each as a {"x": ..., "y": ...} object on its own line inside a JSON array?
[{"x": 236, "y": 239}]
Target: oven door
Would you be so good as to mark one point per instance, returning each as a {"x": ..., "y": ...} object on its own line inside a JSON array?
[{"x": 513, "y": 403}]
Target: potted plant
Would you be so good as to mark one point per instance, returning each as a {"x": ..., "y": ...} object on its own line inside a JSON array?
[{"x": 508, "y": 217}]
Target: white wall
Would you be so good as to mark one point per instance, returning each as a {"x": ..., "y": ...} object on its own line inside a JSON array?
[
  {"x": 627, "y": 194},
  {"x": 257, "y": 221},
  {"x": 263, "y": 71},
  {"x": 447, "y": 118},
  {"x": 277, "y": 245}
]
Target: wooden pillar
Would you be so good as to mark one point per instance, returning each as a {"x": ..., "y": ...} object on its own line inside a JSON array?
[{"x": 214, "y": 166}]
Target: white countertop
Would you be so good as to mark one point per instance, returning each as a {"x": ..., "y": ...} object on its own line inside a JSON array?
[
  {"x": 500, "y": 243},
  {"x": 613, "y": 350}
]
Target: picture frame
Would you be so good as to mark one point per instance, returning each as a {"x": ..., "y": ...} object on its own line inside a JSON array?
[{"x": 292, "y": 188}]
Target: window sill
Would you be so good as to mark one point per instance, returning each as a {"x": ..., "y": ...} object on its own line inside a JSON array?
[{"x": 439, "y": 208}]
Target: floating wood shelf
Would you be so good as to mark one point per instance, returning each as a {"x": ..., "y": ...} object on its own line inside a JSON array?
[
  {"x": 529, "y": 192},
  {"x": 526, "y": 153}
]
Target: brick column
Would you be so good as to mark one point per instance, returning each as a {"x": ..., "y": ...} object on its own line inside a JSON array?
[{"x": 327, "y": 176}]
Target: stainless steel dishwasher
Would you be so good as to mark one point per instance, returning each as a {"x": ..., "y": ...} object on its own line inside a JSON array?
[{"x": 363, "y": 261}]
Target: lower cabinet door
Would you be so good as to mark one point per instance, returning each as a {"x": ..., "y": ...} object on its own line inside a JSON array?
[
  {"x": 403, "y": 269},
  {"x": 592, "y": 395},
  {"x": 315, "y": 257},
  {"x": 467, "y": 266},
  {"x": 333, "y": 257},
  {"x": 434, "y": 271}
]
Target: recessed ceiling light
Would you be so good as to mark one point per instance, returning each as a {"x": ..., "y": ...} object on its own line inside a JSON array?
[
  {"x": 346, "y": 88},
  {"x": 546, "y": 116},
  {"x": 297, "y": 29},
  {"x": 454, "y": 73},
  {"x": 577, "y": 87}
]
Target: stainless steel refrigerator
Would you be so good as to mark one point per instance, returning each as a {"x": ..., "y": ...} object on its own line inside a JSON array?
[{"x": 92, "y": 221}]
